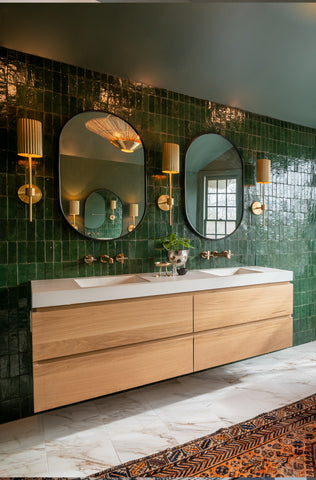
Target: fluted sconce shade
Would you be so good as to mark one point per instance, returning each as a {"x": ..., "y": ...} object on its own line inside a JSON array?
[
  {"x": 263, "y": 170},
  {"x": 29, "y": 133},
  {"x": 170, "y": 158},
  {"x": 113, "y": 204},
  {"x": 133, "y": 209},
  {"x": 133, "y": 212},
  {"x": 74, "y": 206},
  {"x": 118, "y": 132}
]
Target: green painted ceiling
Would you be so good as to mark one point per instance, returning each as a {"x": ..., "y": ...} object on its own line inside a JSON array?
[{"x": 256, "y": 56}]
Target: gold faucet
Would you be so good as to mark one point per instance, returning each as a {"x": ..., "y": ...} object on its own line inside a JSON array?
[
  {"x": 106, "y": 259},
  {"x": 89, "y": 259},
  {"x": 208, "y": 254},
  {"x": 120, "y": 258}
]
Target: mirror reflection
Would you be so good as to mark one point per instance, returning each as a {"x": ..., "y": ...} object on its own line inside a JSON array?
[
  {"x": 103, "y": 215},
  {"x": 213, "y": 186},
  {"x": 102, "y": 175}
]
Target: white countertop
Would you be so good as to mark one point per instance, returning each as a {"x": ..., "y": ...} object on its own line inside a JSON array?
[{"x": 67, "y": 291}]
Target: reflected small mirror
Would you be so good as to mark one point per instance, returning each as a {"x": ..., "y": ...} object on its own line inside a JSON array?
[
  {"x": 103, "y": 217},
  {"x": 102, "y": 175},
  {"x": 213, "y": 186}
]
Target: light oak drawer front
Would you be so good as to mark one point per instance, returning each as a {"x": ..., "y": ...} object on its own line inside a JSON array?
[
  {"x": 70, "y": 380},
  {"x": 234, "y": 306},
  {"x": 63, "y": 331},
  {"x": 226, "y": 345}
]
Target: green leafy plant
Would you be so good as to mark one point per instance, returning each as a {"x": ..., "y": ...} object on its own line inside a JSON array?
[{"x": 172, "y": 242}]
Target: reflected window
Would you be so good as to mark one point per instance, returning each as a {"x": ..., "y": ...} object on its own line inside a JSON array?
[
  {"x": 213, "y": 186},
  {"x": 219, "y": 206}
]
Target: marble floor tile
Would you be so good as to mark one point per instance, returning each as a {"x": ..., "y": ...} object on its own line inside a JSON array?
[
  {"x": 81, "y": 455},
  {"x": 82, "y": 439},
  {"x": 26, "y": 463}
]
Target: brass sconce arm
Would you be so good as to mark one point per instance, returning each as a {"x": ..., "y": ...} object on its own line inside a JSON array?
[
  {"x": 30, "y": 146},
  {"x": 263, "y": 177},
  {"x": 171, "y": 166}
]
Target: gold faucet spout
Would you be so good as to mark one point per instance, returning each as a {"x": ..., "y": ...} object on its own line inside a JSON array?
[
  {"x": 120, "y": 258},
  {"x": 224, "y": 253},
  {"x": 208, "y": 254}
]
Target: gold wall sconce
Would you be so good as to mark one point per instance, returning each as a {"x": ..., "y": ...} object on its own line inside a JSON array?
[
  {"x": 74, "y": 209},
  {"x": 133, "y": 212},
  {"x": 263, "y": 177},
  {"x": 30, "y": 145},
  {"x": 170, "y": 165},
  {"x": 113, "y": 208}
]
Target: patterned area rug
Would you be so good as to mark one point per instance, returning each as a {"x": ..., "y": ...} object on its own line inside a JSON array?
[{"x": 281, "y": 443}]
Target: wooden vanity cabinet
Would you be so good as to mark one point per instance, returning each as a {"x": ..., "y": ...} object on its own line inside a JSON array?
[
  {"x": 80, "y": 377},
  {"x": 238, "y": 323},
  {"x": 89, "y": 350},
  {"x": 81, "y": 328}
]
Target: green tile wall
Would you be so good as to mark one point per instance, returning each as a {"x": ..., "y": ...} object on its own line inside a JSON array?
[{"x": 48, "y": 248}]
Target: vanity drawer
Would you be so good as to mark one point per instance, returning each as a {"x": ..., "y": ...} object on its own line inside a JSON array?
[
  {"x": 63, "y": 331},
  {"x": 226, "y": 345},
  {"x": 232, "y": 306},
  {"x": 73, "y": 379}
]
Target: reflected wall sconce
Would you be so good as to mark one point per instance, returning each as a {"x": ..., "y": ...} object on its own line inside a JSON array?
[
  {"x": 30, "y": 145},
  {"x": 263, "y": 177},
  {"x": 170, "y": 165},
  {"x": 74, "y": 208},
  {"x": 113, "y": 207},
  {"x": 133, "y": 212},
  {"x": 117, "y": 131}
]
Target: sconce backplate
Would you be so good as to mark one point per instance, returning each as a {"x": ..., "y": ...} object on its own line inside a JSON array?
[
  {"x": 130, "y": 228},
  {"x": 23, "y": 196},
  {"x": 256, "y": 208},
  {"x": 164, "y": 202}
]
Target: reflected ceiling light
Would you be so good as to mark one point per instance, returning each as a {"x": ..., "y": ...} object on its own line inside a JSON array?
[{"x": 117, "y": 131}]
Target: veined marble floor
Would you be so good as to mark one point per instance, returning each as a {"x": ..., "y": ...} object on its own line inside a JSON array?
[{"x": 78, "y": 440}]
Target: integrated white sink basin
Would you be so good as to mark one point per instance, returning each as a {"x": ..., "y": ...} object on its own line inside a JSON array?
[
  {"x": 69, "y": 291},
  {"x": 191, "y": 275},
  {"x": 227, "y": 272},
  {"x": 108, "y": 281}
]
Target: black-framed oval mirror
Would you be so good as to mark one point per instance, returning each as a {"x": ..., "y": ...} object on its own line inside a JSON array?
[
  {"x": 213, "y": 186},
  {"x": 102, "y": 175}
]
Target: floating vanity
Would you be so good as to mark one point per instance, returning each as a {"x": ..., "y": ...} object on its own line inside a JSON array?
[{"x": 99, "y": 335}]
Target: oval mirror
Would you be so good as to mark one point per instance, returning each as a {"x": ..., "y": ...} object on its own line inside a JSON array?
[
  {"x": 213, "y": 186},
  {"x": 102, "y": 175},
  {"x": 103, "y": 215}
]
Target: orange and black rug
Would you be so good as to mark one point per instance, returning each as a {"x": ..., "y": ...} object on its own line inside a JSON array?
[{"x": 281, "y": 443}]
